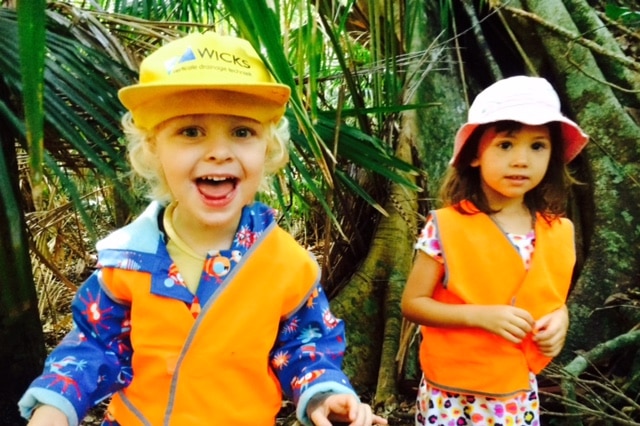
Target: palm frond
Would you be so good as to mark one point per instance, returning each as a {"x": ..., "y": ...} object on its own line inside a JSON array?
[
  {"x": 31, "y": 31},
  {"x": 81, "y": 109}
]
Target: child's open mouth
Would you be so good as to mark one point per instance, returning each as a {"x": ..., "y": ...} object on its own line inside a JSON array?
[{"x": 216, "y": 187}]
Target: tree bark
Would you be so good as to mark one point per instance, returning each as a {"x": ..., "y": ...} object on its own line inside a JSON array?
[
  {"x": 400, "y": 226},
  {"x": 614, "y": 157},
  {"x": 23, "y": 351},
  {"x": 369, "y": 304},
  {"x": 623, "y": 80}
]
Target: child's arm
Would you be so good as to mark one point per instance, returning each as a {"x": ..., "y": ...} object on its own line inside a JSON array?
[
  {"x": 551, "y": 331},
  {"x": 312, "y": 342},
  {"x": 509, "y": 322},
  {"x": 46, "y": 415},
  {"x": 90, "y": 363}
]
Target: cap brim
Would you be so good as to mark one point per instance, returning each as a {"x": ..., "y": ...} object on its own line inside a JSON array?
[{"x": 135, "y": 95}]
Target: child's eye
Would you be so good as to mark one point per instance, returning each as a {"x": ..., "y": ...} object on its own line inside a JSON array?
[
  {"x": 243, "y": 132},
  {"x": 191, "y": 132},
  {"x": 504, "y": 145},
  {"x": 538, "y": 146}
]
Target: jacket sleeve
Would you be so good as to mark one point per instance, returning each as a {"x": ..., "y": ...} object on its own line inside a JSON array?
[
  {"x": 308, "y": 355},
  {"x": 93, "y": 360}
]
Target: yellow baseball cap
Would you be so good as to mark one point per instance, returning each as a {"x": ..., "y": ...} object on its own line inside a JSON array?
[{"x": 204, "y": 73}]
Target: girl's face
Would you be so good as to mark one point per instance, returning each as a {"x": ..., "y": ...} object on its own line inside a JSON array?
[
  {"x": 512, "y": 162},
  {"x": 213, "y": 165}
]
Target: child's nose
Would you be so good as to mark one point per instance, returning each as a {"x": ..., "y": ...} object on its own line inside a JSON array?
[
  {"x": 520, "y": 156},
  {"x": 218, "y": 149}
]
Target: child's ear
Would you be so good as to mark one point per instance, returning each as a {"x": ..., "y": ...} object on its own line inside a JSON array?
[
  {"x": 475, "y": 162},
  {"x": 150, "y": 146},
  {"x": 150, "y": 142}
]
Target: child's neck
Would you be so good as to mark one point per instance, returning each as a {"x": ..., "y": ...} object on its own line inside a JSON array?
[
  {"x": 514, "y": 219},
  {"x": 202, "y": 239}
]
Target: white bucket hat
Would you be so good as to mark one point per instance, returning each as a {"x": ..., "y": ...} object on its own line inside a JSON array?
[{"x": 528, "y": 100}]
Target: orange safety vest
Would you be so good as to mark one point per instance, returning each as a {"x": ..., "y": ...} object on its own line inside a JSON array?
[
  {"x": 214, "y": 369},
  {"x": 483, "y": 267}
]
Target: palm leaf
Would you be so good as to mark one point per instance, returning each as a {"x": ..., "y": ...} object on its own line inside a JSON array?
[
  {"x": 81, "y": 119},
  {"x": 31, "y": 47}
]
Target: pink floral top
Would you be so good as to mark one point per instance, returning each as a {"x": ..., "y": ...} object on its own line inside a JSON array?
[{"x": 429, "y": 242}]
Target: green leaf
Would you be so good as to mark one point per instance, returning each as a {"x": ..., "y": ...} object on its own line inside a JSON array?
[{"x": 31, "y": 30}]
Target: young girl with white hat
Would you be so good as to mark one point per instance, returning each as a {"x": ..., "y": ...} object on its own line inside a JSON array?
[{"x": 494, "y": 265}]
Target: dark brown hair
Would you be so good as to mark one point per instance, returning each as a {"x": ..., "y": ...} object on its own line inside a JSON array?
[{"x": 462, "y": 181}]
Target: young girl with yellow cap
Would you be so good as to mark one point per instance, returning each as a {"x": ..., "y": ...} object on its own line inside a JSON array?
[
  {"x": 202, "y": 311},
  {"x": 494, "y": 265}
]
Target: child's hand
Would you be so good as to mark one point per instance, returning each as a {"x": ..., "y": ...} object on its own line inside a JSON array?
[
  {"x": 550, "y": 331},
  {"x": 46, "y": 415},
  {"x": 342, "y": 408},
  {"x": 508, "y": 322}
]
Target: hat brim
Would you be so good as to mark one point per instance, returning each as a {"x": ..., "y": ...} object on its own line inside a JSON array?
[
  {"x": 134, "y": 95},
  {"x": 151, "y": 104},
  {"x": 573, "y": 137}
]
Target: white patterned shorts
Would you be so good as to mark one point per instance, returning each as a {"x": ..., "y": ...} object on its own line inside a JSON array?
[{"x": 442, "y": 408}]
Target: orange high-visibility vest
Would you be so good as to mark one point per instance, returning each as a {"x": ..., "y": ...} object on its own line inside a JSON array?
[
  {"x": 483, "y": 267},
  {"x": 213, "y": 370}
]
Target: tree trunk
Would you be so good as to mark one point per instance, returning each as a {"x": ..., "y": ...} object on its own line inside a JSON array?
[
  {"x": 614, "y": 157},
  {"x": 441, "y": 87},
  {"x": 371, "y": 300},
  {"x": 23, "y": 351},
  {"x": 400, "y": 226},
  {"x": 369, "y": 303}
]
